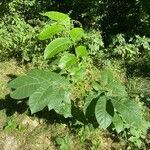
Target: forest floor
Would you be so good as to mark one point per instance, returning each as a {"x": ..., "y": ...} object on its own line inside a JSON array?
[{"x": 19, "y": 130}]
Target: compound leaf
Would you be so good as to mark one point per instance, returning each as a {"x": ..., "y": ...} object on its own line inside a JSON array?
[
  {"x": 44, "y": 88},
  {"x": 114, "y": 87},
  {"x": 49, "y": 94},
  {"x": 64, "y": 109}
]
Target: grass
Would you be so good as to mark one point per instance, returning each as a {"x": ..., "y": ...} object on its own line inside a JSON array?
[
  {"x": 8, "y": 70},
  {"x": 45, "y": 130}
]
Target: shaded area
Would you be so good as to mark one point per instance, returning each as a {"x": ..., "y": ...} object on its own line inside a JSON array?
[
  {"x": 112, "y": 16},
  {"x": 11, "y": 106}
]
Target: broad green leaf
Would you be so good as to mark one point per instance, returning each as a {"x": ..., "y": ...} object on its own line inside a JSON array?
[
  {"x": 57, "y": 46},
  {"x": 118, "y": 123},
  {"x": 56, "y": 16},
  {"x": 81, "y": 51},
  {"x": 44, "y": 88},
  {"x": 49, "y": 94},
  {"x": 26, "y": 85},
  {"x": 50, "y": 31},
  {"x": 111, "y": 84},
  {"x": 64, "y": 109},
  {"x": 25, "y": 91},
  {"x": 107, "y": 76},
  {"x": 88, "y": 100},
  {"x": 67, "y": 61},
  {"x": 102, "y": 116},
  {"x": 61, "y": 92},
  {"x": 21, "y": 81},
  {"x": 76, "y": 34},
  {"x": 78, "y": 73},
  {"x": 44, "y": 75},
  {"x": 129, "y": 110}
]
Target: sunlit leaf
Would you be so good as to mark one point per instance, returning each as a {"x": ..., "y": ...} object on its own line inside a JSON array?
[
  {"x": 81, "y": 51},
  {"x": 50, "y": 31},
  {"x": 67, "y": 61},
  {"x": 76, "y": 34},
  {"x": 56, "y": 16},
  {"x": 57, "y": 46}
]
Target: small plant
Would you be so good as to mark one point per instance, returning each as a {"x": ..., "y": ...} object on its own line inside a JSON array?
[
  {"x": 64, "y": 143},
  {"x": 11, "y": 124},
  {"x": 76, "y": 85}
]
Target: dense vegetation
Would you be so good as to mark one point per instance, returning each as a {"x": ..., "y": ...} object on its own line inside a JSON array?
[{"x": 90, "y": 59}]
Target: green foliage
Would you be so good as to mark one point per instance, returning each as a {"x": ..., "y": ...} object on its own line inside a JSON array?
[
  {"x": 44, "y": 88},
  {"x": 118, "y": 123},
  {"x": 76, "y": 34},
  {"x": 117, "y": 35},
  {"x": 121, "y": 48},
  {"x": 16, "y": 39},
  {"x": 113, "y": 91},
  {"x": 19, "y": 27},
  {"x": 57, "y": 46},
  {"x": 104, "y": 119},
  {"x": 81, "y": 51},
  {"x": 79, "y": 85},
  {"x": 64, "y": 143},
  {"x": 57, "y": 16},
  {"x": 50, "y": 31},
  {"x": 130, "y": 51},
  {"x": 67, "y": 61}
]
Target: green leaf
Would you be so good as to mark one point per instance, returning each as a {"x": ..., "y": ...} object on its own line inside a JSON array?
[
  {"x": 50, "y": 31},
  {"x": 107, "y": 76},
  {"x": 56, "y": 16},
  {"x": 96, "y": 86},
  {"x": 88, "y": 100},
  {"x": 26, "y": 85},
  {"x": 116, "y": 91},
  {"x": 78, "y": 73},
  {"x": 112, "y": 85},
  {"x": 44, "y": 88},
  {"x": 64, "y": 109},
  {"x": 102, "y": 116},
  {"x": 129, "y": 110},
  {"x": 76, "y": 34},
  {"x": 118, "y": 123},
  {"x": 49, "y": 94},
  {"x": 57, "y": 46},
  {"x": 81, "y": 51},
  {"x": 67, "y": 61}
]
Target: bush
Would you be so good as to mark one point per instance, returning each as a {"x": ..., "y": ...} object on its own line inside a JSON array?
[
  {"x": 18, "y": 37},
  {"x": 111, "y": 17}
]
